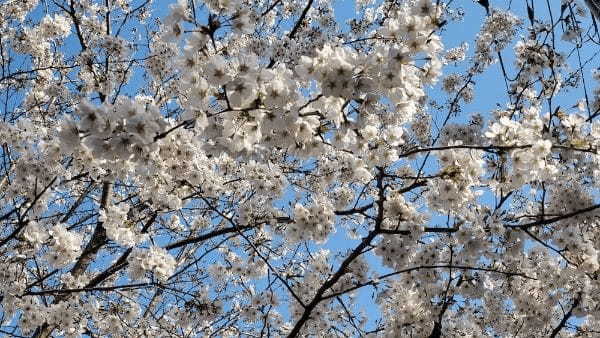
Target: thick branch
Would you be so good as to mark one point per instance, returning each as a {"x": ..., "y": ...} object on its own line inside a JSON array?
[
  {"x": 555, "y": 219},
  {"x": 98, "y": 237},
  {"x": 300, "y": 19},
  {"x": 343, "y": 269},
  {"x": 121, "y": 261},
  {"x": 566, "y": 317}
]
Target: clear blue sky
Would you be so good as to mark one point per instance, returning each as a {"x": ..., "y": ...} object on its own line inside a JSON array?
[{"x": 490, "y": 89}]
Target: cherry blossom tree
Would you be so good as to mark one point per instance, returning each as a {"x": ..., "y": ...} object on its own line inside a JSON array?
[{"x": 263, "y": 168}]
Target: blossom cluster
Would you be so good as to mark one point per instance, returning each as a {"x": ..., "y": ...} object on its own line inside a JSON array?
[
  {"x": 156, "y": 260},
  {"x": 313, "y": 223},
  {"x": 65, "y": 246}
]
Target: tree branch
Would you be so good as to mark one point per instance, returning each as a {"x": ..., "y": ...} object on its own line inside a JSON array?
[
  {"x": 566, "y": 317},
  {"x": 300, "y": 19}
]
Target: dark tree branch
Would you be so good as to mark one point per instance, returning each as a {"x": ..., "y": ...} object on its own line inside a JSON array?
[
  {"x": 98, "y": 237},
  {"x": 205, "y": 237},
  {"x": 343, "y": 269},
  {"x": 300, "y": 20},
  {"x": 86, "y": 289},
  {"x": 554, "y": 219},
  {"x": 566, "y": 317}
]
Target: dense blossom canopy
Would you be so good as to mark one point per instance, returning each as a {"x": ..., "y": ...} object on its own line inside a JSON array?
[{"x": 242, "y": 168}]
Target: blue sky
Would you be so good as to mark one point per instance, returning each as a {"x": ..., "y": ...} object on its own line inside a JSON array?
[
  {"x": 490, "y": 88},
  {"x": 490, "y": 94}
]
